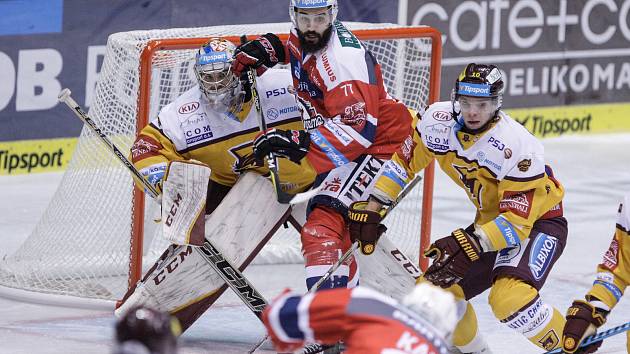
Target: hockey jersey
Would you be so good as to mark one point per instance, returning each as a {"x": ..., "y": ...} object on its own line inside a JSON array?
[
  {"x": 613, "y": 275},
  {"x": 502, "y": 170},
  {"x": 367, "y": 321},
  {"x": 351, "y": 113},
  {"x": 187, "y": 129}
]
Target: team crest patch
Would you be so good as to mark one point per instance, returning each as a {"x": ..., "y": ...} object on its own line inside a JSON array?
[
  {"x": 550, "y": 340},
  {"x": 518, "y": 203},
  {"x": 541, "y": 254},
  {"x": 145, "y": 147},
  {"x": 524, "y": 165},
  {"x": 612, "y": 255}
]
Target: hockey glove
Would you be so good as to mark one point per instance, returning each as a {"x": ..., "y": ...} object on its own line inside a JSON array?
[
  {"x": 583, "y": 319},
  {"x": 292, "y": 144},
  {"x": 452, "y": 257},
  {"x": 261, "y": 54},
  {"x": 365, "y": 226}
]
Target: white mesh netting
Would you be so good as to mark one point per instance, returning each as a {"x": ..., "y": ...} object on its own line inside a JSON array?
[{"x": 81, "y": 245}]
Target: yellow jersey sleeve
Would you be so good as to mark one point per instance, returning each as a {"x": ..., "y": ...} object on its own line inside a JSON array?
[
  {"x": 411, "y": 157},
  {"x": 613, "y": 275}
]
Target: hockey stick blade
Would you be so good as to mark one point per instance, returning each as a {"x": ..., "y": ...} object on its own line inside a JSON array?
[
  {"x": 304, "y": 196},
  {"x": 599, "y": 336}
]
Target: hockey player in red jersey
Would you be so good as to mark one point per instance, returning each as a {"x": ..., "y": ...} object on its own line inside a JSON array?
[
  {"x": 354, "y": 124},
  {"x": 366, "y": 321},
  {"x": 613, "y": 277},
  {"x": 518, "y": 232}
]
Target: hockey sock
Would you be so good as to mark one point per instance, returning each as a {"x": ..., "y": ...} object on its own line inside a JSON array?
[{"x": 518, "y": 305}]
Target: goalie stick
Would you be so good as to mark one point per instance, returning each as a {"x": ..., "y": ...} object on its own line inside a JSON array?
[
  {"x": 231, "y": 275},
  {"x": 599, "y": 336}
]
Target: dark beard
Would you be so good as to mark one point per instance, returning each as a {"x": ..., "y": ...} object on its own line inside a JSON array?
[{"x": 321, "y": 43}]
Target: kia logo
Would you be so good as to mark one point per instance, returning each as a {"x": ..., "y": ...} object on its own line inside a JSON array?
[
  {"x": 188, "y": 108},
  {"x": 441, "y": 116}
]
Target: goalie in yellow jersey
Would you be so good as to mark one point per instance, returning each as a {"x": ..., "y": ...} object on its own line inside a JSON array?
[
  {"x": 613, "y": 277},
  {"x": 197, "y": 147},
  {"x": 518, "y": 232}
]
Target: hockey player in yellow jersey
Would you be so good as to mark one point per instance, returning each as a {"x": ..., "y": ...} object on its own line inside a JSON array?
[
  {"x": 214, "y": 123},
  {"x": 518, "y": 232},
  {"x": 613, "y": 277}
]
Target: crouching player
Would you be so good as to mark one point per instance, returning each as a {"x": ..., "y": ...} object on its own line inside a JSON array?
[
  {"x": 518, "y": 232},
  {"x": 613, "y": 277}
]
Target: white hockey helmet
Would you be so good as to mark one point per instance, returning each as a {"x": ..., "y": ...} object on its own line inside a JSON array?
[
  {"x": 217, "y": 82},
  {"x": 435, "y": 305},
  {"x": 295, "y": 5}
]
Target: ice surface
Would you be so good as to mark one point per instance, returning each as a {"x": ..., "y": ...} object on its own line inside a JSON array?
[{"x": 595, "y": 171}]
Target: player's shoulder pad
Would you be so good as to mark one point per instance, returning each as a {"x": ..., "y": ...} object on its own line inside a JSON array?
[
  {"x": 524, "y": 154},
  {"x": 275, "y": 88},
  {"x": 186, "y": 112},
  {"x": 436, "y": 125}
]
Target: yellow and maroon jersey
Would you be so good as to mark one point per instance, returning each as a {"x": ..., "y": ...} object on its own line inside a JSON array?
[
  {"x": 613, "y": 274},
  {"x": 367, "y": 321},
  {"x": 187, "y": 129},
  {"x": 502, "y": 170}
]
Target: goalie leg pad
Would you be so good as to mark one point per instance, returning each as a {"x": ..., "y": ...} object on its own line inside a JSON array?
[
  {"x": 182, "y": 282},
  {"x": 518, "y": 305},
  {"x": 324, "y": 239}
]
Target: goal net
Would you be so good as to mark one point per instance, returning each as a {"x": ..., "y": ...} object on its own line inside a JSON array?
[{"x": 98, "y": 235}]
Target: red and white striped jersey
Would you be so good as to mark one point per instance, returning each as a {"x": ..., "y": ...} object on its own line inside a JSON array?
[
  {"x": 367, "y": 321},
  {"x": 351, "y": 112}
]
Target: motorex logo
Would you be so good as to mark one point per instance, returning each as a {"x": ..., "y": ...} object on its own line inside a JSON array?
[
  {"x": 213, "y": 57},
  {"x": 311, "y": 3},
  {"x": 480, "y": 90},
  {"x": 541, "y": 254}
]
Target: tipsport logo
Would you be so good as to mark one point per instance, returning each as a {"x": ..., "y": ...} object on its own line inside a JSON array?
[{"x": 479, "y": 90}]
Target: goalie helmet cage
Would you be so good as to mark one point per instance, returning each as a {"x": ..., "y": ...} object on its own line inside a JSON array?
[{"x": 87, "y": 248}]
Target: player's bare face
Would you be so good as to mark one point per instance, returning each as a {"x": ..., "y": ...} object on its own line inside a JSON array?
[
  {"x": 312, "y": 23},
  {"x": 477, "y": 111}
]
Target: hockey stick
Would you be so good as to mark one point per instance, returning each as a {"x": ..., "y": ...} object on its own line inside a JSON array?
[
  {"x": 272, "y": 160},
  {"x": 314, "y": 348},
  {"x": 599, "y": 336},
  {"x": 231, "y": 275}
]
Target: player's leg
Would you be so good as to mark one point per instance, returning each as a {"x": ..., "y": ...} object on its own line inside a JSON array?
[
  {"x": 324, "y": 239},
  {"x": 518, "y": 276},
  {"x": 325, "y": 236}
]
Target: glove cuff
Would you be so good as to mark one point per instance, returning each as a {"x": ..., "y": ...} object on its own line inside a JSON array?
[
  {"x": 468, "y": 244},
  {"x": 358, "y": 213},
  {"x": 585, "y": 311}
]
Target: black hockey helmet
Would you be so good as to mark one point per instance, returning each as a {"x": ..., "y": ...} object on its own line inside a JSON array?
[
  {"x": 479, "y": 80},
  {"x": 145, "y": 327}
]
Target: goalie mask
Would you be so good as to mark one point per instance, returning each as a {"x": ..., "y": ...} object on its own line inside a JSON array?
[
  {"x": 313, "y": 21},
  {"x": 478, "y": 94},
  {"x": 217, "y": 82},
  {"x": 143, "y": 328}
]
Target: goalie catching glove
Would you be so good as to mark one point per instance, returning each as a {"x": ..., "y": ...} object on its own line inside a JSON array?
[
  {"x": 452, "y": 257},
  {"x": 261, "y": 54},
  {"x": 292, "y": 144},
  {"x": 583, "y": 319},
  {"x": 365, "y": 226}
]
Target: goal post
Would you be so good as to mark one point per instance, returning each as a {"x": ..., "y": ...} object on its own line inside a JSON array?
[{"x": 97, "y": 235}]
